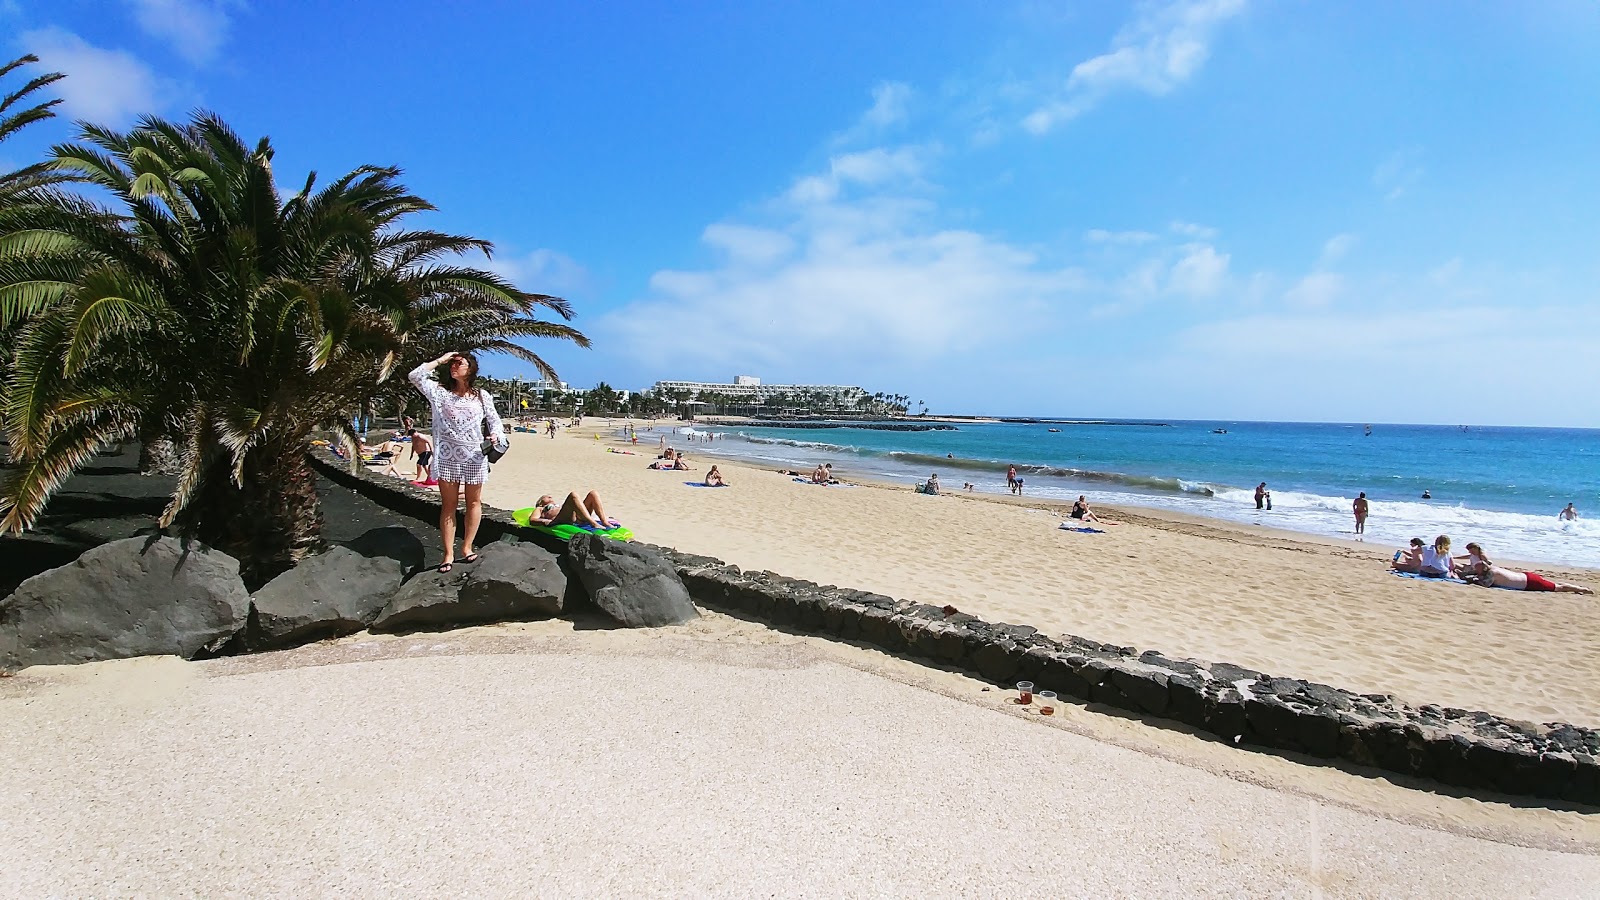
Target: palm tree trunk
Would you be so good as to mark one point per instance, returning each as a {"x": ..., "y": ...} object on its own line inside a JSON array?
[
  {"x": 158, "y": 454},
  {"x": 271, "y": 522}
]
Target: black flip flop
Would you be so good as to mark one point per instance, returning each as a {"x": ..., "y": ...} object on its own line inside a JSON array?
[
  {"x": 469, "y": 558},
  {"x": 445, "y": 567}
]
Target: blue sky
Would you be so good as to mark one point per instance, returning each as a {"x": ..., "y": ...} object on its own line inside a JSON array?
[{"x": 1202, "y": 209}]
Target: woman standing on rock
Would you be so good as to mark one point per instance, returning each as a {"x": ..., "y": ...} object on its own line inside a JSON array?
[{"x": 460, "y": 413}]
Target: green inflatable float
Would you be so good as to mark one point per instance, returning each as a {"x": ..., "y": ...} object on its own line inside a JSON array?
[{"x": 524, "y": 517}]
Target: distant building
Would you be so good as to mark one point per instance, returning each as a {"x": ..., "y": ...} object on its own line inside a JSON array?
[
  {"x": 747, "y": 390},
  {"x": 545, "y": 384}
]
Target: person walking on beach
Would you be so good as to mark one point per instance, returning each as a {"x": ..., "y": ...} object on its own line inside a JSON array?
[
  {"x": 463, "y": 417},
  {"x": 1570, "y": 514},
  {"x": 422, "y": 449},
  {"x": 1261, "y": 496},
  {"x": 1360, "y": 509},
  {"x": 1011, "y": 479}
]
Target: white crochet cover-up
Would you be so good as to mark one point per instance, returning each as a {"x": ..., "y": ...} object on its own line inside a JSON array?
[{"x": 457, "y": 429}]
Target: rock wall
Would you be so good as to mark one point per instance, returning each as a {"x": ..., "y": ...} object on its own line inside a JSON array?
[{"x": 1465, "y": 748}]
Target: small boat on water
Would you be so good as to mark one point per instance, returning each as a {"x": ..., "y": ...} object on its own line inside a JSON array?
[
  {"x": 1053, "y": 430},
  {"x": 1219, "y": 431}
]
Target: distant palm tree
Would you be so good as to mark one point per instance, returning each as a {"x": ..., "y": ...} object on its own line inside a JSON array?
[
  {"x": 12, "y": 120},
  {"x": 206, "y": 307}
]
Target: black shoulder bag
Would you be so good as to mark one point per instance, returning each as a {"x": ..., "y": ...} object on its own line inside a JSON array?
[{"x": 491, "y": 450}]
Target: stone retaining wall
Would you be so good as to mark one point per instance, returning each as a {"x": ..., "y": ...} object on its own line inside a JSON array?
[{"x": 1241, "y": 706}]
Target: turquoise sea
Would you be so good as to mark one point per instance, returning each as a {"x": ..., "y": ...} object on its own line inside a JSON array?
[{"x": 1499, "y": 486}]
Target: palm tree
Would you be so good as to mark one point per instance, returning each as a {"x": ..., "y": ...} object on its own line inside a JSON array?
[
  {"x": 205, "y": 307},
  {"x": 15, "y": 183}
]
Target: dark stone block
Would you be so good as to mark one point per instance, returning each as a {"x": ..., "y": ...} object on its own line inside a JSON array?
[
  {"x": 1584, "y": 786},
  {"x": 1059, "y": 674},
  {"x": 1147, "y": 689},
  {"x": 1031, "y": 665},
  {"x": 875, "y": 625},
  {"x": 393, "y": 542},
  {"x": 1186, "y": 700},
  {"x": 1329, "y": 696},
  {"x": 1516, "y": 770},
  {"x": 335, "y": 593},
  {"x": 1153, "y": 658},
  {"x": 133, "y": 597},
  {"x": 1274, "y": 722},
  {"x": 1317, "y": 732},
  {"x": 1225, "y": 716},
  {"x": 850, "y": 621},
  {"x": 1449, "y": 760},
  {"x": 1230, "y": 673},
  {"x": 1353, "y": 743},
  {"x": 629, "y": 583},
  {"x": 952, "y": 645},
  {"x": 998, "y": 662},
  {"x": 508, "y": 582}
]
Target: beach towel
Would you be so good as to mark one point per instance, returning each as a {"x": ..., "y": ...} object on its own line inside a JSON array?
[
  {"x": 800, "y": 480},
  {"x": 1436, "y": 578},
  {"x": 702, "y": 484},
  {"x": 1082, "y": 530}
]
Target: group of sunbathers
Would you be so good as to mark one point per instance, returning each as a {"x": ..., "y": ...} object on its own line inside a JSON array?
[
  {"x": 671, "y": 459},
  {"x": 1435, "y": 561}
]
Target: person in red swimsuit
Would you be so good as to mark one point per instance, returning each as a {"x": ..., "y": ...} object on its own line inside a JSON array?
[{"x": 1527, "y": 581}]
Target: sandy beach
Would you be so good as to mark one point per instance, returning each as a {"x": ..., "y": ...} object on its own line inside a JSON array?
[
  {"x": 715, "y": 759},
  {"x": 1288, "y": 604}
]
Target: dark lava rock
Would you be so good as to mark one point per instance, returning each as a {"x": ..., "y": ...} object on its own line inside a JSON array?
[
  {"x": 339, "y": 592},
  {"x": 393, "y": 542},
  {"x": 133, "y": 597},
  {"x": 629, "y": 583},
  {"x": 1147, "y": 689},
  {"x": 508, "y": 582},
  {"x": 997, "y": 661}
]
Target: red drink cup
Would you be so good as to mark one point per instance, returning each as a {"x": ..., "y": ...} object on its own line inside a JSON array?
[
  {"x": 1024, "y": 692},
  {"x": 1047, "y": 703}
]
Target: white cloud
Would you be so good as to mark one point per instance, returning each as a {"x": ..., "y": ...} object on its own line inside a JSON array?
[
  {"x": 1101, "y": 236},
  {"x": 868, "y": 168},
  {"x": 745, "y": 244},
  {"x": 196, "y": 29},
  {"x": 543, "y": 271},
  {"x": 1316, "y": 290},
  {"x": 1399, "y": 173},
  {"x": 889, "y": 101},
  {"x": 1163, "y": 48},
  {"x": 890, "y": 108},
  {"x": 841, "y": 283},
  {"x": 1200, "y": 273},
  {"x": 1191, "y": 230},
  {"x": 1337, "y": 248},
  {"x": 107, "y": 87}
]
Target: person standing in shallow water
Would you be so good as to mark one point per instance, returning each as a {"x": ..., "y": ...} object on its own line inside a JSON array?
[
  {"x": 460, "y": 411},
  {"x": 1360, "y": 509}
]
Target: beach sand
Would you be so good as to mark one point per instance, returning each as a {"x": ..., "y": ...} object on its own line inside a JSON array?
[
  {"x": 719, "y": 758},
  {"x": 1287, "y": 604}
]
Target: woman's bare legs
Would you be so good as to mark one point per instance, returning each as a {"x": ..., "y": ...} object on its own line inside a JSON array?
[
  {"x": 469, "y": 531},
  {"x": 573, "y": 512},
  {"x": 592, "y": 503},
  {"x": 448, "y": 492}
]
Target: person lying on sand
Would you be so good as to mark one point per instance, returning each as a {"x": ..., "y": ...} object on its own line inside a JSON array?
[
  {"x": 1475, "y": 563},
  {"x": 572, "y": 511},
  {"x": 714, "y": 478},
  {"x": 1082, "y": 512},
  {"x": 1525, "y": 581},
  {"x": 1410, "y": 559}
]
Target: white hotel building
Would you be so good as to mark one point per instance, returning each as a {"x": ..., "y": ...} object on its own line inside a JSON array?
[{"x": 747, "y": 389}]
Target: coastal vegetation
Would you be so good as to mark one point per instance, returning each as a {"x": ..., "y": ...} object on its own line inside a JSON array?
[{"x": 158, "y": 283}]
